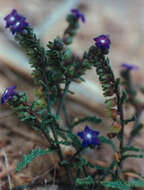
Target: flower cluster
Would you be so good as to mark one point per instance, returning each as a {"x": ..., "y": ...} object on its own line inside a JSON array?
[
  {"x": 89, "y": 136},
  {"x": 78, "y": 14},
  {"x": 129, "y": 67},
  {"x": 8, "y": 93},
  {"x": 102, "y": 42},
  {"x": 15, "y": 22}
]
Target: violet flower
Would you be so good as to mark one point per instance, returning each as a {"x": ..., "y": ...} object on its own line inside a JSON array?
[
  {"x": 15, "y": 22},
  {"x": 89, "y": 136},
  {"x": 129, "y": 66},
  {"x": 8, "y": 93},
  {"x": 103, "y": 42},
  {"x": 78, "y": 14}
]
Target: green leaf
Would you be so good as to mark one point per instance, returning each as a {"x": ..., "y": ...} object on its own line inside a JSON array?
[
  {"x": 62, "y": 142},
  {"x": 20, "y": 108},
  {"x": 75, "y": 140},
  {"x": 80, "y": 162},
  {"x": 67, "y": 54},
  {"x": 118, "y": 84},
  {"x": 131, "y": 148},
  {"x": 124, "y": 185},
  {"x": 36, "y": 104},
  {"x": 133, "y": 118},
  {"x": 29, "y": 157},
  {"x": 136, "y": 183},
  {"x": 124, "y": 97},
  {"x": 92, "y": 119},
  {"x": 116, "y": 185},
  {"x": 107, "y": 141},
  {"x": 69, "y": 40},
  {"x": 89, "y": 164},
  {"x": 84, "y": 181},
  {"x": 136, "y": 130},
  {"x": 126, "y": 156},
  {"x": 28, "y": 117}
]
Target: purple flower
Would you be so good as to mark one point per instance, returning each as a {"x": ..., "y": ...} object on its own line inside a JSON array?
[
  {"x": 11, "y": 18},
  {"x": 89, "y": 136},
  {"x": 78, "y": 14},
  {"x": 15, "y": 22},
  {"x": 103, "y": 42},
  {"x": 129, "y": 66},
  {"x": 8, "y": 93},
  {"x": 19, "y": 26}
]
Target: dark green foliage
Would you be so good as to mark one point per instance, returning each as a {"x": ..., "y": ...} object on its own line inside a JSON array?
[
  {"x": 29, "y": 157},
  {"x": 75, "y": 140},
  {"x": 92, "y": 119},
  {"x": 133, "y": 118},
  {"x": 124, "y": 185},
  {"x": 136, "y": 130},
  {"x": 129, "y": 87},
  {"x": 103, "y": 69},
  {"x": 84, "y": 181},
  {"x": 116, "y": 185},
  {"x": 126, "y": 156},
  {"x": 107, "y": 141},
  {"x": 131, "y": 148},
  {"x": 124, "y": 97},
  {"x": 71, "y": 30}
]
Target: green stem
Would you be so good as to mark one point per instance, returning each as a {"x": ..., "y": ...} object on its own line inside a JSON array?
[
  {"x": 121, "y": 133},
  {"x": 77, "y": 153},
  {"x": 62, "y": 99},
  {"x": 47, "y": 95},
  {"x": 68, "y": 173},
  {"x": 136, "y": 123},
  {"x": 67, "y": 119}
]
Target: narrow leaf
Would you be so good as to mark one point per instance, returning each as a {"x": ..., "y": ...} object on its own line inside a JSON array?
[
  {"x": 107, "y": 141},
  {"x": 29, "y": 157},
  {"x": 92, "y": 119}
]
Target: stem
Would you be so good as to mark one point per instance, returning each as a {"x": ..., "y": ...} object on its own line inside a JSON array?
[
  {"x": 62, "y": 99},
  {"x": 136, "y": 123},
  {"x": 78, "y": 152},
  {"x": 54, "y": 132},
  {"x": 67, "y": 119},
  {"x": 62, "y": 159},
  {"x": 47, "y": 95},
  {"x": 121, "y": 133},
  {"x": 71, "y": 160},
  {"x": 38, "y": 124}
]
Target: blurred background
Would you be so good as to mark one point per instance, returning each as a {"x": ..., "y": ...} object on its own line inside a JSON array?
[{"x": 121, "y": 20}]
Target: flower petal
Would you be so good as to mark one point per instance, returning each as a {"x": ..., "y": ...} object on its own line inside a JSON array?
[
  {"x": 95, "y": 141},
  {"x": 81, "y": 135},
  {"x": 87, "y": 129},
  {"x": 95, "y": 133},
  {"x": 85, "y": 143}
]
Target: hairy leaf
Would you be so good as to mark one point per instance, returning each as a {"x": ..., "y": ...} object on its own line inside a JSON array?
[
  {"x": 29, "y": 157},
  {"x": 133, "y": 118},
  {"x": 132, "y": 156},
  {"x": 131, "y": 148},
  {"x": 136, "y": 183},
  {"x": 124, "y": 97},
  {"x": 116, "y": 185},
  {"x": 107, "y": 141},
  {"x": 75, "y": 140},
  {"x": 84, "y": 181},
  {"x": 136, "y": 130},
  {"x": 92, "y": 119}
]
